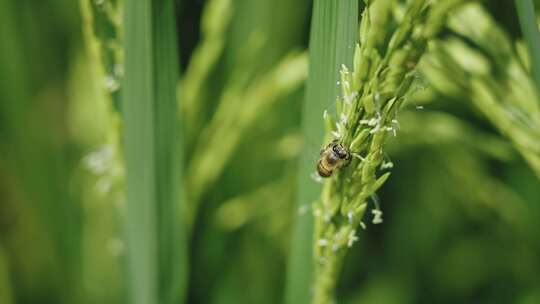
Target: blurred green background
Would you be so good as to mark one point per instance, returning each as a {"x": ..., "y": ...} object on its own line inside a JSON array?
[{"x": 462, "y": 208}]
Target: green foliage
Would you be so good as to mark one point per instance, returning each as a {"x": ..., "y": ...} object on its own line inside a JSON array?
[
  {"x": 241, "y": 118},
  {"x": 492, "y": 76},
  {"x": 96, "y": 91},
  {"x": 333, "y": 31},
  {"x": 372, "y": 93},
  {"x": 529, "y": 27},
  {"x": 222, "y": 134},
  {"x": 104, "y": 32},
  {"x": 460, "y": 208},
  {"x": 155, "y": 257},
  {"x": 215, "y": 21},
  {"x": 39, "y": 218}
]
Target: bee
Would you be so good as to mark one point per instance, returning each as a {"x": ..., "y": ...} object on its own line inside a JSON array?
[{"x": 332, "y": 157}]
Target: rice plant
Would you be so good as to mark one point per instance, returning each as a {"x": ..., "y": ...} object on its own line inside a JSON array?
[
  {"x": 332, "y": 38},
  {"x": 509, "y": 101},
  {"x": 181, "y": 151},
  {"x": 371, "y": 95}
]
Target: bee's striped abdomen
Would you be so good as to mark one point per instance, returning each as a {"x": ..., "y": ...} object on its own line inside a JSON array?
[
  {"x": 333, "y": 157},
  {"x": 323, "y": 170}
]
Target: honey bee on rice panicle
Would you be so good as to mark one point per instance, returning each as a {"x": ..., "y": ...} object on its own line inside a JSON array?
[{"x": 332, "y": 157}]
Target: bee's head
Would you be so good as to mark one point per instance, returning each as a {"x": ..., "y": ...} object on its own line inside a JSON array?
[{"x": 340, "y": 151}]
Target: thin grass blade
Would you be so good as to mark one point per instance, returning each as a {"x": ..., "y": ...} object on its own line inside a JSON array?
[
  {"x": 332, "y": 40},
  {"x": 156, "y": 265},
  {"x": 529, "y": 28}
]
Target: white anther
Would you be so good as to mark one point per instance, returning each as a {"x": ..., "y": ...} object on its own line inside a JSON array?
[{"x": 377, "y": 216}]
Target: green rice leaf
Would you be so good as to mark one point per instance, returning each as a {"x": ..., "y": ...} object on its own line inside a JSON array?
[
  {"x": 529, "y": 28},
  {"x": 156, "y": 259},
  {"x": 332, "y": 42}
]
